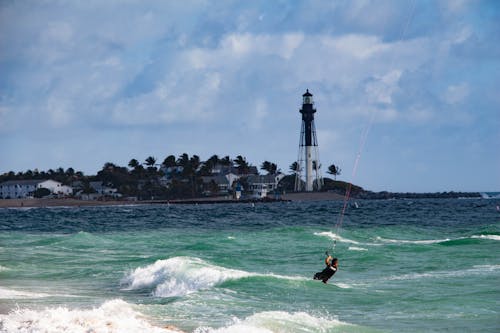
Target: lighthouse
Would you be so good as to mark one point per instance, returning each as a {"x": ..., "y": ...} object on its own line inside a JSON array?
[{"x": 308, "y": 158}]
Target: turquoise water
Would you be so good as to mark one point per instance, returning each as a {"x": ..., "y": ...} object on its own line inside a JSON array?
[{"x": 412, "y": 266}]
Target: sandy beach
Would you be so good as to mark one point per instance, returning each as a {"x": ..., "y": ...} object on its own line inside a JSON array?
[{"x": 63, "y": 202}]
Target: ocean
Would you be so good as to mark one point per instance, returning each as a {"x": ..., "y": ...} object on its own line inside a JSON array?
[{"x": 404, "y": 266}]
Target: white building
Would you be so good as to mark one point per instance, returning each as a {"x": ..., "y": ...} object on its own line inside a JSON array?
[
  {"x": 224, "y": 182},
  {"x": 104, "y": 190},
  {"x": 13, "y": 189},
  {"x": 56, "y": 188},
  {"x": 261, "y": 185}
]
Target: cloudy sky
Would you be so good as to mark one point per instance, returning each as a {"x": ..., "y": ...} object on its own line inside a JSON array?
[{"x": 413, "y": 85}]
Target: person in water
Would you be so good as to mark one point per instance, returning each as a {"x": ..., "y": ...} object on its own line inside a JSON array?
[{"x": 330, "y": 269}]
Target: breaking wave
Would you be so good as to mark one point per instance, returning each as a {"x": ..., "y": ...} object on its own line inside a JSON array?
[
  {"x": 491, "y": 237},
  {"x": 112, "y": 316},
  {"x": 418, "y": 242},
  {"x": 180, "y": 276},
  {"x": 281, "y": 321},
  {"x": 384, "y": 241}
]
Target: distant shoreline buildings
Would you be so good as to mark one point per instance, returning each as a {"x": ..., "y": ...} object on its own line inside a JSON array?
[
  {"x": 28, "y": 188},
  {"x": 114, "y": 182}
]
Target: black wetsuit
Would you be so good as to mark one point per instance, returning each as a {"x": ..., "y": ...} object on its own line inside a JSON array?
[{"x": 325, "y": 274}]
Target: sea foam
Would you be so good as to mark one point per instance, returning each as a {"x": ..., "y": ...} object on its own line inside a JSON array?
[
  {"x": 334, "y": 236},
  {"x": 180, "y": 276},
  {"x": 491, "y": 237},
  {"x": 112, "y": 316},
  {"x": 383, "y": 241},
  {"x": 355, "y": 248},
  {"x": 338, "y": 238},
  {"x": 435, "y": 241},
  {"x": 6, "y": 293},
  {"x": 417, "y": 242},
  {"x": 279, "y": 321}
]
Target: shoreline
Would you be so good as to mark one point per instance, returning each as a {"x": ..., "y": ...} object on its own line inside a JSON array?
[
  {"x": 288, "y": 197},
  {"x": 70, "y": 202}
]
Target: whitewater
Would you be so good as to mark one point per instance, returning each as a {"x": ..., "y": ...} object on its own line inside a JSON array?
[{"x": 404, "y": 265}]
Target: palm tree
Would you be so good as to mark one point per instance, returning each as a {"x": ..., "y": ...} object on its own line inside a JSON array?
[
  {"x": 294, "y": 167},
  {"x": 274, "y": 169},
  {"x": 70, "y": 172},
  {"x": 169, "y": 161},
  {"x": 150, "y": 161},
  {"x": 194, "y": 162},
  {"x": 271, "y": 168},
  {"x": 265, "y": 166},
  {"x": 183, "y": 160},
  {"x": 108, "y": 166},
  {"x": 334, "y": 170},
  {"x": 213, "y": 161},
  {"x": 226, "y": 160},
  {"x": 133, "y": 163},
  {"x": 137, "y": 168},
  {"x": 241, "y": 164}
]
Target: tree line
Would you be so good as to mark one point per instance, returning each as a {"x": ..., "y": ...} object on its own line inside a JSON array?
[{"x": 147, "y": 179}]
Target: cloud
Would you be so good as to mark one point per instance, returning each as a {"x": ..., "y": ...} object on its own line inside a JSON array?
[
  {"x": 381, "y": 88},
  {"x": 152, "y": 74},
  {"x": 59, "y": 111},
  {"x": 456, "y": 93},
  {"x": 359, "y": 46},
  {"x": 224, "y": 70},
  {"x": 455, "y": 6},
  {"x": 190, "y": 98},
  {"x": 237, "y": 48},
  {"x": 259, "y": 115}
]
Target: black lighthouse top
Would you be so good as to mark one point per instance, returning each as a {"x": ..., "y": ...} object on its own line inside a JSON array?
[
  {"x": 307, "y": 106},
  {"x": 307, "y": 98},
  {"x": 307, "y": 112}
]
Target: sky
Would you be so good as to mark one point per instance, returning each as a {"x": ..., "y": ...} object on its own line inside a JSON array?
[{"x": 409, "y": 88}]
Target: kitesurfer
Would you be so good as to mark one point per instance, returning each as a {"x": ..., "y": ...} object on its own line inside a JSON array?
[{"x": 330, "y": 269}]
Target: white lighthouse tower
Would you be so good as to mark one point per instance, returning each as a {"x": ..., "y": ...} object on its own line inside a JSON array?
[{"x": 308, "y": 159}]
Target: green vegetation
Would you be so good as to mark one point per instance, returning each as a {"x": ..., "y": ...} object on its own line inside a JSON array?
[
  {"x": 60, "y": 175},
  {"x": 183, "y": 177},
  {"x": 41, "y": 192},
  {"x": 173, "y": 178},
  {"x": 334, "y": 170}
]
